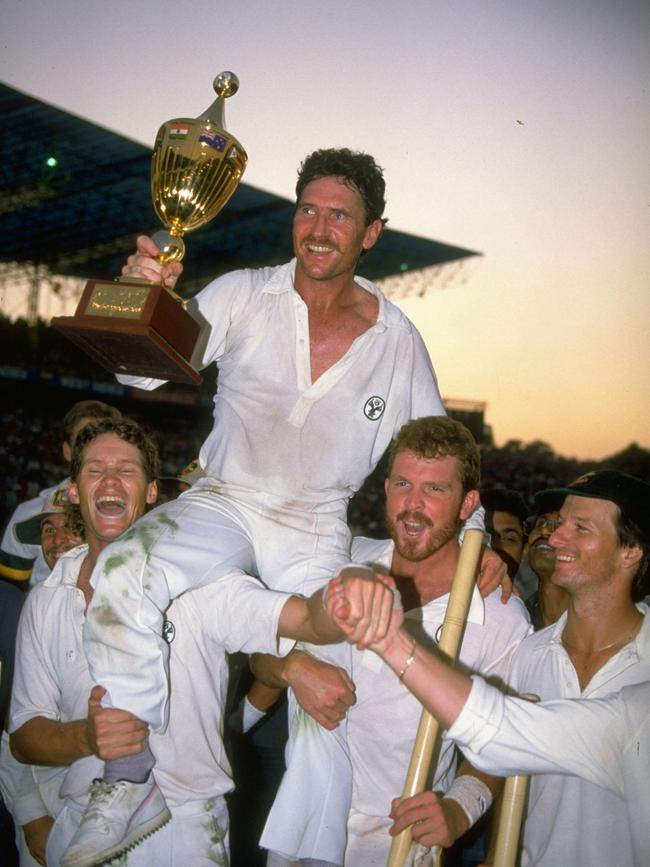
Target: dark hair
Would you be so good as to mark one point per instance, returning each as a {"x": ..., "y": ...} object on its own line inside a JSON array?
[
  {"x": 126, "y": 429},
  {"x": 355, "y": 169},
  {"x": 630, "y": 536},
  {"x": 504, "y": 500},
  {"x": 436, "y": 437},
  {"x": 95, "y": 409}
]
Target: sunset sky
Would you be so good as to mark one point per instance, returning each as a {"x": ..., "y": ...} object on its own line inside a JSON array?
[{"x": 517, "y": 128}]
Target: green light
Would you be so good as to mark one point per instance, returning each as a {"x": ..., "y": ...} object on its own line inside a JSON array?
[
  {"x": 51, "y": 162},
  {"x": 403, "y": 267}
]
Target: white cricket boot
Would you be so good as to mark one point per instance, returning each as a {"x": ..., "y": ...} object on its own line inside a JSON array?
[{"x": 118, "y": 817}]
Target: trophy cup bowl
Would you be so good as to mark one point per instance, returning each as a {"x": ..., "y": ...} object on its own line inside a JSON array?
[{"x": 140, "y": 328}]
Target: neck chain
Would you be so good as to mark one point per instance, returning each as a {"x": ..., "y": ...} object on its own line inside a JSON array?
[{"x": 620, "y": 641}]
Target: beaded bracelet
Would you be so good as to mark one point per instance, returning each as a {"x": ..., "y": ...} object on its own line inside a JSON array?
[{"x": 408, "y": 661}]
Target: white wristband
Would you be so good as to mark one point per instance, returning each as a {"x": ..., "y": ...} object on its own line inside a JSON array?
[{"x": 473, "y": 796}]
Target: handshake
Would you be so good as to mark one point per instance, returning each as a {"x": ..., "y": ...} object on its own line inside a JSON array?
[{"x": 365, "y": 606}]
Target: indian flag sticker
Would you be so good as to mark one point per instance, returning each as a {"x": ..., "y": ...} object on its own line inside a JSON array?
[{"x": 179, "y": 130}]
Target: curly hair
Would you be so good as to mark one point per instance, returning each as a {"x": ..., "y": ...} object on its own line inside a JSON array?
[
  {"x": 356, "y": 169},
  {"x": 126, "y": 429},
  {"x": 436, "y": 437}
]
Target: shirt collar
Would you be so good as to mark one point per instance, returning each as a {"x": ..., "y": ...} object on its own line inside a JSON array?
[
  {"x": 64, "y": 571},
  {"x": 281, "y": 281},
  {"x": 558, "y": 628},
  {"x": 431, "y": 611},
  {"x": 642, "y": 640}
]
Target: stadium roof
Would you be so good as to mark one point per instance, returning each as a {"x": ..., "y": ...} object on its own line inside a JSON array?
[{"x": 74, "y": 196}]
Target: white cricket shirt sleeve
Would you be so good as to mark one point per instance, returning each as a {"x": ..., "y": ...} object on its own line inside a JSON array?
[
  {"x": 425, "y": 394},
  {"x": 504, "y": 735},
  {"x": 244, "y": 615},
  {"x": 36, "y": 689},
  {"x": 19, "y": 788},
  {"x": 19, "y": 561}
]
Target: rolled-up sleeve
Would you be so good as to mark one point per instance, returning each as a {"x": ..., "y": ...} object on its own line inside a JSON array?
[{"x": 505, "y": 736}]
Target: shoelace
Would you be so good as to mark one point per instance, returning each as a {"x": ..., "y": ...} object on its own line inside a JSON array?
[{"x": 102, "y": 795}]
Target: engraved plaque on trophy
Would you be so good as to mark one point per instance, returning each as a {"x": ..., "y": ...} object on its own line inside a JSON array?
[{"x": 141, "y": 328}]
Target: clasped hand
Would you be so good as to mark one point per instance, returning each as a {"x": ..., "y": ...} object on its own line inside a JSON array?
[{"x": 361, "y": 603}]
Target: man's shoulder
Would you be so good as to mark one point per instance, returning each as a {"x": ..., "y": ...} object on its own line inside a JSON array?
[
  {"x": 635, "y": 698},
  {"x": 253, "y": 280},
  {"x": 643, "y": 637},
  {"x": 42, "y": 594},
  {"x": 46, "y": 601},
  {"x": 377, "y": 552},
  {"x": 390, "y": 314},
  {"x": 534, "y": 646},
  {"x": 396, "y": 318},
  {"x": 537, "y": 664},
  {"x": 503, "y": 627},
  {"x": 514, "y": 611},
  {"x": 40, "y": 602}
]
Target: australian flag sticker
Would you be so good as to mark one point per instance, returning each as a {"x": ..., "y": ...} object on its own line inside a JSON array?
[{"x": 217, "y": 142}]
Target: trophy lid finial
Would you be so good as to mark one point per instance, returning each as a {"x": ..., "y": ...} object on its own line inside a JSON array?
[{"x": 225, "y": 84}]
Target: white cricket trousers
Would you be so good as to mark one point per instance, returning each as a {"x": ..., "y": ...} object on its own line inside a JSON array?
[{"x": 207, "y": 534}]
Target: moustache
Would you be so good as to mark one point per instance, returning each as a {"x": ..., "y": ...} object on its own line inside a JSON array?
[
  {"x": 321, "y": 240},
  {"x": 542, "y": 541},
  {"x": 414, "y": 516}
]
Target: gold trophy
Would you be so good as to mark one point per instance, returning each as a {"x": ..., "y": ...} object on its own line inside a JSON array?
[{"x": 141, "y": 328}]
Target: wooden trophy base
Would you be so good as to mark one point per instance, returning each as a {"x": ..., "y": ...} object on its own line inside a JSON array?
[{"x": 134, "y": 328}]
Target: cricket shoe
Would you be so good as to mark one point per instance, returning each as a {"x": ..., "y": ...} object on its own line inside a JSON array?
[{"x": 118, "y": 817}]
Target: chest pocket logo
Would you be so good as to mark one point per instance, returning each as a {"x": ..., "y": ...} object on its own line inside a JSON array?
[
  {"x": 374, "y": 408},
  {"x": 168, "y": 631}
]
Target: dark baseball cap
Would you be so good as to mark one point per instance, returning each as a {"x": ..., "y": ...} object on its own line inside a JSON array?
[{"x": 631, "y": 495}]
